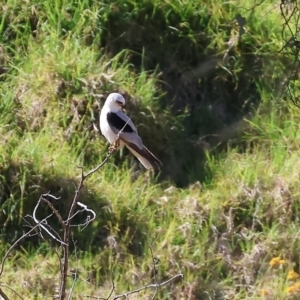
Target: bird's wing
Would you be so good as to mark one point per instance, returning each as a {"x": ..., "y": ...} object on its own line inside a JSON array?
[{"x": 119, "y": 121}]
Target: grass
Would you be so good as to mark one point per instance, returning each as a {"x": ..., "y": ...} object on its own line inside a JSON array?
[{"x": 223, "y": 211}]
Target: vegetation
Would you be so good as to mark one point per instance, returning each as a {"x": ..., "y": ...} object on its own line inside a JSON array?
[{"x": 206, "y": 84}]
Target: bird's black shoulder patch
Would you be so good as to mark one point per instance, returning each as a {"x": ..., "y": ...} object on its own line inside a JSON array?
[{"x": 114, "y": 120}]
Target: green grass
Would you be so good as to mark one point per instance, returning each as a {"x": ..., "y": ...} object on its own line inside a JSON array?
[{"x": 227, "y": 199}]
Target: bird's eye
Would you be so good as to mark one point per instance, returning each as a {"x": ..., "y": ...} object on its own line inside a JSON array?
[{"x": 120, "y": 102}]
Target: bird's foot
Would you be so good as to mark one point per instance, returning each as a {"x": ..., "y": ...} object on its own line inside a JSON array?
[
  {"x": 114, "y": 146},
  {"x": 117, "y": 143},
  {"x": 111, "y": 149}
]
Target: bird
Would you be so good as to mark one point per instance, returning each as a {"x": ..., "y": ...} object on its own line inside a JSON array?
[{"x": 119, "y": 130}]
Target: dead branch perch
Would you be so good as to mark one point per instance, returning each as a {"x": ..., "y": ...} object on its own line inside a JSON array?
[{"x": 152, "y": 285}]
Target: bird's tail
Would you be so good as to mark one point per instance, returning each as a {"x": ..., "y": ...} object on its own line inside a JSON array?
[{"x": 146, "y": 157}]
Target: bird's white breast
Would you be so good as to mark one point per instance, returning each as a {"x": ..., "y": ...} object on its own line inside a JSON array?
[{"x": 105, "y": 128}]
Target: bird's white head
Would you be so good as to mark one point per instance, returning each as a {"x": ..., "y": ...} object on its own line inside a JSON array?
[{"x": 114, "y": 102}]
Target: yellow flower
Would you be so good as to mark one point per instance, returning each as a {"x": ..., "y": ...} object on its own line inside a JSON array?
[
  {"x": 276, "y": 262},
  {"x": 293, "y": 289},
  {"x": 282, "y": 262},
  {"x": 264, "y": 292},
  {"x": 292, "y": 275}
]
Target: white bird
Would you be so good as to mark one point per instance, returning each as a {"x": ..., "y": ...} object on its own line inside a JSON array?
[{"x": 114, "y": 122}]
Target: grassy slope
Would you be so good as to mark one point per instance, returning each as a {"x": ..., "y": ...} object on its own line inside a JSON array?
[{"x": 221, "y": 233}]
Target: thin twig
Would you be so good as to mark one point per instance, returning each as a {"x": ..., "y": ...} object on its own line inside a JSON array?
[
  {"x": 74, "y": 275},
  {"x": 98, "y": 167},
  {"x": 112, "y": 288},
  {"x": 41, "y": 225},
  {"x": 152, "y": 285},
  {"x": 89, "y": 219},
  {"x": 154, "y": 271},
  {"x": 60, "y": 262},
  {"x": 57, "y": 214},
  {"x": 289, "y": 35},
  {"x": 2, "y": 294},
  {"x": 68, "y": 224},
  {"x": 109, "y": 295},
  {"x": 16, "y": 242},
  {"x": 7, "y": 287}
]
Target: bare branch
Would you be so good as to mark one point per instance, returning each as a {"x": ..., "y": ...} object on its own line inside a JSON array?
[
  {"x": 2, "y": 294},
  {"x": 74, "y": 274},
  {"x": 153, "y": 285},
  {"x": 290, "y": 13},
  {"x": 154, "y": 271},
  {"x": 110, "y": 293},
  {"x": 51, "y": 196},
  {"x": 98, "y": 167},
  {"x": 7, "y": 287},
  {"x": 40, "y": 222},
  {"x": 89, "y": 219},
  {"x": 156, "y": 286},
  {"x": 112, "y": 288},
  {"x": 57, "y": 214},
  {"x": 16, "y": 242},
  {"x": 71, "y": 214},
  {"x": 60, "y": 262}
]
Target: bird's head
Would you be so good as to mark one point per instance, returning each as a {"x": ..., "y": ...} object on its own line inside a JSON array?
[{"x": 115, "y": 101}]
